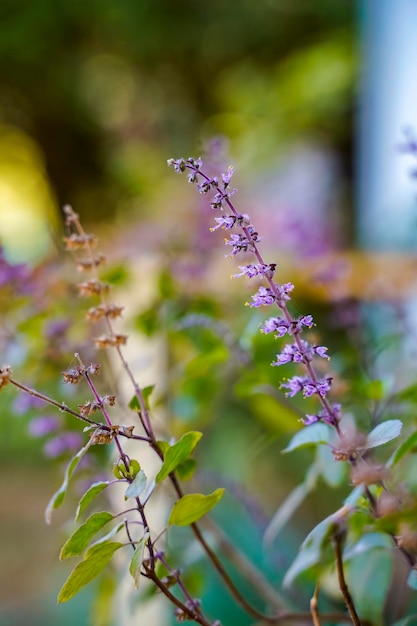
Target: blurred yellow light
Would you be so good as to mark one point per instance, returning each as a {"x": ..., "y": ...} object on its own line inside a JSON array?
[{"x": 27, "y": 207}]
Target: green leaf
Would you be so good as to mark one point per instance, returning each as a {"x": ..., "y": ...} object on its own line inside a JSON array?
[
  {"x": 134, "y": 404},
  {"x": 94, "y": 562},
  {"x": 369, "y": 577},
  {"x": 368, "y": 541},
  {"x": 58, "y": 497},
  {"x": 384, "y": 432},
  {"x": 178, "y": 453},
  {"x": 109, "y": 535},
  {"x": 191, "y": 507},
  {"x": 89, "y": 495},
  {"x": 309, "y": 436},
  {"x": 186, "y": 469},
  {"x": 137, "y": 486},
  {"x": 312, "y": 550},
  {"x": 412, "y": 579},
  {"x": 136, "y": 562},
  {"x": 290, "y": 504},
  {"x": 80, "y": 539},
  {"x": 409, "y": 444}
]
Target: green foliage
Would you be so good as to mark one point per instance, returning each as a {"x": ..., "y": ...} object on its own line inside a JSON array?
[
  {"x": 192, "y": 507},
  {"x": 177, "y": 454},
  {"x": 137, "y": 486},
  {"x": 94, "y": 561},
  {"x": 136, "y": 562},
  {"x": 369, "y": 576},
  {"x": 92, "y": 492},
  {"x": 309, "y": 436},
  {"x": 58, "y": 497},
  {"x": 383, "y": 433},
  {"x": 79, "y": 540}
]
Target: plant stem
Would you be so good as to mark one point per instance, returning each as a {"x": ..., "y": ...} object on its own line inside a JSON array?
[{"x": 337, "y": 544}]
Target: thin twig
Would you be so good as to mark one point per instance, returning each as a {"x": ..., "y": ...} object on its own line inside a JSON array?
[
  {"x": 314, "y": 609},
  {"x": 337, "y": 543}
]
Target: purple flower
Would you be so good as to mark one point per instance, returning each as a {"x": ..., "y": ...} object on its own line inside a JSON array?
[
  {"x": 294, "y": 385},
  {"x": 302, "y": 353},
  {"x": 324, "y": 416},
  {"x": 227, "y": 176},
  {"x": 25, "y": 402},
  {"x": 263, "y": 297},
  {"x": 239, "y": 243},
  {"x": 66, "y": 442},
  {"x": 276, "y": 325},
  {"x": 226, "y": 222},
  {"x": 256, "y": 269},
  {"x": 308, "y": 386},
  {"x": 41, "y": 426}
]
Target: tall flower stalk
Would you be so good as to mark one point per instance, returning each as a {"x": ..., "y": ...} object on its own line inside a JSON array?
[{"x": 245, "y": 240}]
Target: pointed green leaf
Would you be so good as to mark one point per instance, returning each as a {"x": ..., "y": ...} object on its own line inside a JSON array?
[
  {"x": 309, "y": 436},
  {"x": 136, "y": 562},
  {"x": 137, "y": 486},
  {"x": 409, "y": 444},
  {"x": 384, "y": 432},
  {"x": 89, "y": 495},
  {"x": 291, "y": 503},
  {"x": 80, "y": 539},
  {"x": 58, "y": 497},
  {"x": 178, "y": 453},
  {"x": 134, "y": 404},
  {"x": 312, "y": 551},
  {"x": 94, "y": 562},
  {"x": 191, "y": 507}
]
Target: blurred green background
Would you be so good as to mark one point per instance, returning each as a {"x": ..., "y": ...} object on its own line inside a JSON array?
[{"x": 94, "y": 97}]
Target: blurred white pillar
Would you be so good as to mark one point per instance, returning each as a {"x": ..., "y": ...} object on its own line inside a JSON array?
[{"x": 387, "y": 195}]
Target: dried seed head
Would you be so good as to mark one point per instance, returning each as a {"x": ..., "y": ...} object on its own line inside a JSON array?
[
  {"x": 368, "y": 473},
  {"x": 101, "y": 436},
  {"x": 92, "y": 288},
  {"x": 93, "y": 368},
  {"x": 73, "y": 375},
  {"x": 5, "y": 375},
  {"x": 127, "y": 431},
  {"x": 80, "y": 242},
  {"x": 109, "y": 341},
  {"x": 407, "y": 538},
  {"x": 88, "y": 264},
  {"x": 387, "y": 504},
  {"x": 88, "y": 408},
  {"x": 70, "y": 215},
  {"x": 96, "y": 313}
]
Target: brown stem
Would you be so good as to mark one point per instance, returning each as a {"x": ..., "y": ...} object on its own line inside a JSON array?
[
  {"x": 314, "y": 609},
  {"x": 337, "y": 543}
]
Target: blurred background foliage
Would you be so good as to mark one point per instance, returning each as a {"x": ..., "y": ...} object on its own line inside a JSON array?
[{"x": 94, "y": 97}]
